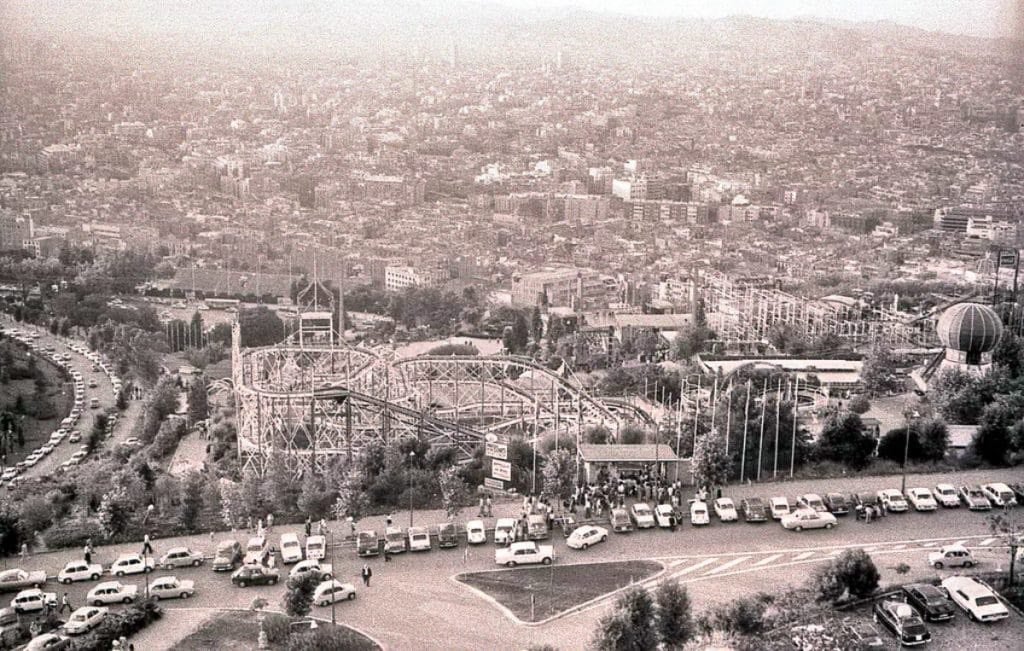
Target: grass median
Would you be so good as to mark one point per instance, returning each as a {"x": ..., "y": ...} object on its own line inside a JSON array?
[
  {"x": 240, "y": 630},
  {"x": 537, "y": 593}
]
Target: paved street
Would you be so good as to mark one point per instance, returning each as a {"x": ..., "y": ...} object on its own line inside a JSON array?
[{"x": 416, "y": 593}]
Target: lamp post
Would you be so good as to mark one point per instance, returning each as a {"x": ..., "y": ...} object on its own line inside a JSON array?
[
  {"x": 412, "y": 458},
  {"x": 330, "y": 533},
  {"x": 906, "y": 452}
]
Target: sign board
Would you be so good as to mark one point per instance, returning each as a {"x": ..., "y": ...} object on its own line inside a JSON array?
[
  {"x": 496, "y": 484},
  {"x": 501, "y": 469},
  {"x": 496, "y": 450}
]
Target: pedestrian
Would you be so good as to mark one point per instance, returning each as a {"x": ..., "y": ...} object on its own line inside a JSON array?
[
  {"x": 387, "y": 552},
  {"x": 387, "y": 520},
  {"x": 270, "y": 521},
  {"x": 259, "y": 527},
  {"x": 147, "y": 547},
  {"x": 867, "y": 514},
  {"x": 480, "y": 513},
  {"x": 489, "y": 505},
  {"x": 248, "y": 524},
  {"x": 87, "y": 554},
  {"x": 352, "y": 526},
  {"x": 24, "y": 551},
  {"x": 465, "y": 554},
  {"x": 309, "y": 526},
  {"x": 65, "y": 603},
  {"x": 322, "y": 526},
  {"x": 367, "y": 573}
]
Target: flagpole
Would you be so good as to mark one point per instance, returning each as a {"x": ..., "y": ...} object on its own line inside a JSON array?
[
  {"x": 746, "y": 422},
  {"x": 792, "y": 445},
  {"x": 760, "y": 443},
  {"x": 696, "y": 415},
  {"x": 728, "y": 420},
  {"x": 778, "y": 405}
]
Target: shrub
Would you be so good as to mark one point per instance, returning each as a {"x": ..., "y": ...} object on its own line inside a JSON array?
[
  {"x": 125, "y": 623},
  {"x": 852, "y": 575},
  {"x": 744, "y": 616},
  {"x": 276, "y": 626},
  {"x": 72, "y": 533}
]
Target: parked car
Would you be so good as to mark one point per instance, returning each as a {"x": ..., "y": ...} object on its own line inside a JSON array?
[
  {"x": 476, "y": 534},
  {"x": 753, "y": 510},
  {"x": 322, "y": 570},
  {"x": 16, "y": 579},
  {"x": 367, "y": 543},
  {"x": 524, "y": 553},
  {"x": 892, "y": 500},
  {"x": 33, "y": 600},
  {"x": 85, "y": 619},
  {"x": 665, "y": 516},
  {"x": 255, "y": 575},
  {"x": 811, "y": 501},
  {"x": 48, "y": 642},
  {"x": 447, "y": 535},
  {"x": 132, "y": 564},
  {"x": 80, "y": 571},
  {"x": 930, "y": 601},
  {"x": 779, "y": 507},
  {"x": 922, "y": 499},
  {"x": 945, "y": 494},
  {"x": 229, "y": 555},
  {"x": 316, "y": 548},
  {"x": 642, "y": 516},
  {"x": 974, "y": 499},
  {"x": 419, "y": 539},
  {"x": 585, "y": 536},
  {"x": 999, "y": 494},
  {"x": 699, "y": 513},
  {"x": 976, "y": 599},
  {"x": 395, "y": 541},
  {"x": 904, "y": 622},
  {"x": 256, "y": 550},
  {"x": 180, "y": 557},
  {"x": 808, "y": 519},
  {"x": 864, "y": 635},
  {"x": 725, "y": 509},
  {"x": 837, "y": 504},
  {"x": 332, "y": 591},
  {"x": 291, "y": 548},
  {"x": 1018, "y": 491},
  {"x": 620, "y": 521},
  {"x": 537, "y": 527},
  {"x": 503, "y": 530},
  {"x": 865, "y": 501},
  {"x": 951, "y": 556},
  {"x": 112, "y": 592},
  {"x": 171, "y": 587}
]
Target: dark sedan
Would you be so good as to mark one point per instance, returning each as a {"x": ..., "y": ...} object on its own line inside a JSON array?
[
  {"x": 754, "y": 510},
  {"x": 255, "y": 575},
  {"x": 903, "y": 621},
  {"x": 931, "y": 601},
  {"x": 837, "y": 504}
]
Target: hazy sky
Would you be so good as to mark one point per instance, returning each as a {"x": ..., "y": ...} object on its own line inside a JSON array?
[{"x": 977, "y": 17}]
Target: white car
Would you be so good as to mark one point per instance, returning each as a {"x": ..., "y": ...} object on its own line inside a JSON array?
[
  {"x": 46, "y": 641},
  {"x": 419, "y": 539},
  {"x": 291, "y": 548},
  {"x": 33, "y": 600},
  {"x": 302, "y": 568},
  {"x": 665, "y": 516},
  {"x": 476, "y": 534},
  {"x": 85, "y": 619},
  {"x": 524, "y": 553},
  {"x": 255, "y": 549},
  {"x": 80, "y": 571},
  {"x": 892, "y": 500},
  {"x": 779, "y": 507},
  {"x": 725, "y": 509},
  {"x": 808, "y": 519},
  {"x": 999, "y": 494},
  {"x": 699, "y": 513},
  {"x": 329, "y": 592},
  {"x": 979, "y": 602},
  {"x": 946, "y": 495},
  {"x": 642, "y": 516},
  {"x": 585, "y": 536},
  {"x": 503, "y": 530},
  {"x": 316, "y": 548},
  {"x": 811, "y": 501},
  {"x": 112, "y": 592},
  {"x": 180, "y": 557},
  {"x": 951, "y": 556},
  {"x": 922, "y": 499},
  {"x": 132, "y": 564},
  {"x": 170, "y": 587}
]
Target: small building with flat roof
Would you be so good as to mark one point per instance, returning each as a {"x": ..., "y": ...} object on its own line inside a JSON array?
[{"x": 627, "y": 460}]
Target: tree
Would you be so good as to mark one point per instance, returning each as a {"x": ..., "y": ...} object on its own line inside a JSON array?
[
  {"x": 453, "y": 491},
  {"x": 843, "y": 439},
  {"x": 351, "y": 501},
  {"x": 895, "y": 442},
  {"x": 879, "y": 372},
  {"x": 198, "y": 401},
  {"x": 852, "y": 575},
  {"x": 260, "y": 327},
  {"x": 674, "y": 621},
  {"x": 298, "y": 600},
  {"x": 191, "y": 500},
  {"x": 115, "y": 511},
  {"x": 711, "y": 464},
  {"x": 597, "y": 434},
  {"x": 1008, "y": 355},
  {"x": 315, "y": 498},
  {"x": 559, "y": 475},
  {"x": 536, "y": 324},
  {"x": 933, "y": 436},
  {"x": 958, "y": 396},
  {"x": 630, "y": 627},
  {"x": 520, "y": 332},
  {"x": 280, "y": 488},
  {"x": 859, "y": 404},
  {"x": 556, "y": 329},
  {"x": 632, "y": 435}
]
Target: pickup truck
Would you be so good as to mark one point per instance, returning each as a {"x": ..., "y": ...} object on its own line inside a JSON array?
[{"x": 524, "y": 553}]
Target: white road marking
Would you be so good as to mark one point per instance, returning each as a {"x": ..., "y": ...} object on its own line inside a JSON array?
[
  {"x": 725, "y": 566},
  {"x": 899, "y": 547},
  {"x": 960, "y": 543},
  {"x": 765, "y": 561},
  {"x": 677, "y": 563},
  {"x": 930, "y": 544},
  {"x": 697, "y": 566},
  {"x": 801, "y": 557},
  {"x": 987, "y": 542}
]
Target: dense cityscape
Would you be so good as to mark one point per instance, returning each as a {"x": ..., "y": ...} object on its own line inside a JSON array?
[{"x": 312, "y": 288}]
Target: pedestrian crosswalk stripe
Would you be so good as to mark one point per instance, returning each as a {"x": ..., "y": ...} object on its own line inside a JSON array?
[
  {"x": 677, "y": 563},
  {"x": 899, "y": 547},
  {"x": 987, "y": 542},
  {"x": 801, "y": 557},
  {"x": 724, "y": 566},
  {"x": 930, "y": 544},
  {"x": 765, "y": 561},
  {"x": 696, "y": 566},
  {"x": 960, "y": 543}
]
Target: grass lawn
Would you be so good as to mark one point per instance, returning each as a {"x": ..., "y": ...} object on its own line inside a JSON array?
[
  {"x": 556, "y": 588},
  {"x": 237, "y": 630}
]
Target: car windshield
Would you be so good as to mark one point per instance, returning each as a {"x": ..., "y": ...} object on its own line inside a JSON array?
[
  {"x": 642, "y": 509},
  {"x": 986, "y": 601}
]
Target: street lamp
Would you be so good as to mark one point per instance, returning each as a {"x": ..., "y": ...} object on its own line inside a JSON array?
[
  {"x": 330, "y": 533},
  {"x": 412, "y": 457},
  {"x": 906, "y": 451}
]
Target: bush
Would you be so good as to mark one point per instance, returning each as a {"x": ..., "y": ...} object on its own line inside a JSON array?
[
  {"x": 72, "y": 533},
  {"x": 859, "y": 404},
  {"x": 125, "y": 623},
  {"x": 276, "y": 627},
  {"x": 852, "y": 575},
  {"x": 744, "y": 616}
]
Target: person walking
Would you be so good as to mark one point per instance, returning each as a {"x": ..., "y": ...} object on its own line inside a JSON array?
[
  {"x": 309, "y": 526},
  {"x": 65, "y": 603},
  {"x": 367, "y": 573},
  {"x": 489, "y": 504},
  {"x": 24, "y": 551},
  {"x": 387, "y": 520},
  {"x": 147, "y": 547},
  {"x": 387, "y": 552},
  {"x": 87, "y": 554},
  {"x": 322, "y": 527},
  {"x": 270, "y": 521}
]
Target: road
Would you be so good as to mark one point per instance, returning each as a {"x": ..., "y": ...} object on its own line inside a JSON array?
[
  {"x": 104, "y": 390},
  {"x": 416, "y": 592}
]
